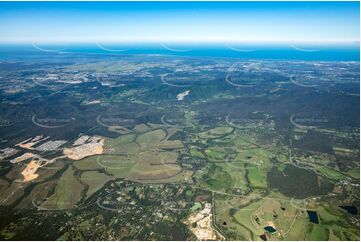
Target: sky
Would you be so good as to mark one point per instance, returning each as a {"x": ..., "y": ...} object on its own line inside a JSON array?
[{"x": 52, "y": 22}]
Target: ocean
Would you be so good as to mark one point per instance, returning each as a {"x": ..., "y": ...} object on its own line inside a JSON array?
[{"x": 319, "y": 52}]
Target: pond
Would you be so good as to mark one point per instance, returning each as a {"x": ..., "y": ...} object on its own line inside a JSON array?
[
  {"x": 313, "y": 216},
  {"x": 350, "y": 209},
  {"x": 270, "y": 229},
  {"x": 263, "y": 237}
]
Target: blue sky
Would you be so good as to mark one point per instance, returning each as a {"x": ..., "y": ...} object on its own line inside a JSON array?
[{"x": 179, "y": 21}]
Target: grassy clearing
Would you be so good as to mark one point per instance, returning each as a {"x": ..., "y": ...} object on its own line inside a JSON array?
[
  {"x": 156, "y": 158},
  {"x": 121, "y": 144},
  {"x": 95, "y": 180},
  {"x": 239, "y": 179},
  {"x": 196, "y": 206},
  {"x": 118, "y": 166},
  {"x": 227, "y": 223},
  {"x": 254, "y": 156},
  {"x": 243, "y": 140},
  {"x": 256, "y": 177},
  {"x": 355, "y": 173},
  {"x": 39, "y": 192},
  {"x": 195, "y": 152},
  {"x": 161, "y": 177},
  {"x": 328, "y": 172},
  {"x": 215, "y": 153},
  {"x": 88, "y": 163},
  {"x": 141, "y": 128},
  {"x": 114, "y": 161},
  {"x": 151, "y": 138},
  {"x": 120, "y": 172},
  {"x": 318, "y": 232},
  {"x": 141, "y": 172},
  {"x": 142, "y": 157},
  {"x": 244, "y": 217},
  {"x": 278, "y": 212},
  {"x": 155, "y": 165},
  {"x": 215, "y": 133},
  {"x": 327, "y": 217},
  {"x": 67, "y": 192},
  {"x": 171, "y": 132},
  {"x": 299, "y": 230},
  {"x": 218, "y": 179}
]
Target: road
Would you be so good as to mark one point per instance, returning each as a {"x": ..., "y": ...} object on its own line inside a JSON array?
[{"x": 214, "y": 224}]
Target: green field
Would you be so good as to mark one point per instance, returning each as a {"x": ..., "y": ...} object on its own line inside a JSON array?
[
  {"x": 95, "y": 180},
  {"x": 67, "y": 192}
]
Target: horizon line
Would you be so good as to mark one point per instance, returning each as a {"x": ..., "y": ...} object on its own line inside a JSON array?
[{"x": 186, "y": 42}]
